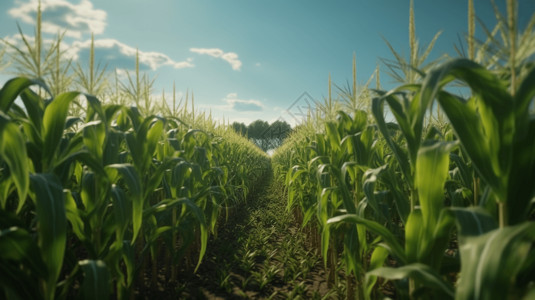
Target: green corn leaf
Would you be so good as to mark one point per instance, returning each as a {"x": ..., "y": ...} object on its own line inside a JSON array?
[
  {"x": 333, "y": 135},
  {"x": 428, "y": 234},
  {"x": 465, "y": 120},
  {"x": 35, "y": 107},
  {"x": 400, "y": 154},
  {"x": 189, "y": 141},
  {"x": 486, "y": 132},
  {"x": 377, "y": 260},
  {"x": 344, "y": 121},
  {"x": 431, "y": 172},
  {"x": 363, "y": 145},
  {"x": 420, "y": 272},
  {"x": 465, "y": 170},
  {"x": 434, "y": 249},
  {"x": 20, "y": 264},
  {"x": 17, "y": 111},
  {"x": 121, "y": 210},
  {"x": 409, "y": 116},
  {"x": 359, "y": 122},
  {"x": 473, "y": 221},
  {"x": 325, "y": 240},
  {"x": 143, "y": 142},
  {"x": 96, "y": 284},
  {"x": 178, "y": 176},
  {"x": 352, "y": 168},
  {"x": 354, "y": 246},
  {"x": 74, "y": 217},
  {"x": 53, "y": 125},
  {"x": 85, "y": 158},
  {"x": 89, "y": 193},
  {"x": 196, "y": 212},
  {"x": 493, "y": 93},
  {"x": 17, "y": 244},
  {"x": 389, "y": 239},
  {"x": 157, "y": 175},
  {"x": 12, "y": 89},
  {"x": 71, "y": 121},
  {"x": 94, "y": 137},
  {"x": 401, "y": 198},
  {"x": 52, "y": 225},
  {"x": 370, "y": 179},
  {"x": 13, "y": 152},
  {"x": 414, "y": 235},
  {"x": 153, "y": 136},
  {"x": 94, "y": 108},
  {"x": 520, "y": 184},
  {"x": 530, "y": 295},
  {"x": 196, "y": 173},
  {"x": 135, "y": 145},
  {"x": 110, "y": 111},
  {"x": 135, "y": 187},
  {"x": 523, "y": 98},
  {"x": 129, "y": 258},
  {"x": 112, "y": 149},
  {"x": 324, "y": 171},
  {"x": 70, "y": 148},
  {"x": 135, "y": 117},
  {"x": 490, "y": 262}
]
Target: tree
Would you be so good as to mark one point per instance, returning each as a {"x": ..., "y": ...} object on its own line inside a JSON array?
[
  {"x": 280, "y": 129},
  {"x": 256, "y": 129},
  {"x": 267, "y": 136},
  {"x": 276, "y": 134},
  {"x": 240, "y": 128}
]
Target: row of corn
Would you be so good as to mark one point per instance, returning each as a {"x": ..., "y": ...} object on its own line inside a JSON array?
[
  {"x": 90, "y": 204},
  {"x": 441, "y": 210}
]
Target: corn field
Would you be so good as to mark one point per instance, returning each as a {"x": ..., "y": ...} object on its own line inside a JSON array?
[
  {"x": 122, "y": 188},
  {"x": 439, "y": 199},
  {"x": 418, "y": 192}
]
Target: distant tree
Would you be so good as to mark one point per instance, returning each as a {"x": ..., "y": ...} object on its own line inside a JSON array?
[
  {"x": 276, "y": 134},
  {"x": 257, "y": 128},
  {"x": 280, "y": 129},
  {"x": 240, "y": 128},
  {"x": 268, "y": 136}
]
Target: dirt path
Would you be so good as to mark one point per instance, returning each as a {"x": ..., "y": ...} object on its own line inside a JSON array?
[{"x": 259, "y": 253}]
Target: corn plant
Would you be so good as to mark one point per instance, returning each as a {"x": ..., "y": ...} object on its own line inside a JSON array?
[
  {"x": 94, "y": 81},
  {"x": 114, "y": 185},
  {"x": 411, "y": 70}
]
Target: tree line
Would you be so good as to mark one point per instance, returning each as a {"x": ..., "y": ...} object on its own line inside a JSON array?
[{"x": 266, "y": 136}]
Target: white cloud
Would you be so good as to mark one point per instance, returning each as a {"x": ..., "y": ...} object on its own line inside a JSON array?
[
  {"x": 107, "y": 51},
  {"x": 78, "y": 20},
  {"x": 123, "y": 56},
  {"x": 61, "y": 15},
  {"x": 234, "y": 104},
  {"x": 230, "y": 57},
  {"x": 241, "y": 105}
]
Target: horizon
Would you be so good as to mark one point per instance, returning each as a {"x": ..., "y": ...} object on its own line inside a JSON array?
[{"x": 246, "y": 61}]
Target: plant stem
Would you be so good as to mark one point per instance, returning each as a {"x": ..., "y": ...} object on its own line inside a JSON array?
[
  {"x": 502, "y": 211},
  {"x": 476, "y": 190},
  {"x": 471, "y": 29},
  {"x": 511, "y": 18}
]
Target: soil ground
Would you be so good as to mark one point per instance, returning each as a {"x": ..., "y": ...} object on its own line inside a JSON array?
[{"x": 259, "y": 253}]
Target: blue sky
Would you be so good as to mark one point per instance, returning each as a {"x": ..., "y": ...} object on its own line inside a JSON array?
[{"x": 244, "y": 59}]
